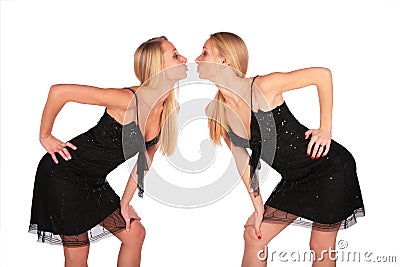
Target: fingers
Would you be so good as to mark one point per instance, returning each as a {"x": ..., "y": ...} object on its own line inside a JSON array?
[
  {"x": 307, "y": 134},
  {"x": 258, "y": 231},
  {"x": 321, "y": 149},
  {"x": 249, "y": 222},
  {"x": 66, "y": 153},
  {"x": 54, "y": 157},
  {"x": 259, "y": 236},
  {"x": 318, "y": 146},
  {"x": 53, "y": 146},
  {"x": 71, "y": 145},
  {"x": 128, "y": 224},
  {"x": 311, "y": 143},
  {"x": 247, "y": 225},
  {"x": 133, "y": 214},
  {"x": 257, "y": 226},
  {"x": 127, "y": 220},
  {"x": 328, "y": 146},
  {"x": 61, "y": 152},
  {"x": 309, "y": 147}
]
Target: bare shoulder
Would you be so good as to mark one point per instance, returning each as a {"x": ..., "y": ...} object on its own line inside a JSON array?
[
  {"x": 269, "y": 83},
  {"x": 121, "y": 98}
]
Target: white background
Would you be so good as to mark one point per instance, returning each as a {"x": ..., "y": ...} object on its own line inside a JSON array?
[{"x": 92, "y": 42}]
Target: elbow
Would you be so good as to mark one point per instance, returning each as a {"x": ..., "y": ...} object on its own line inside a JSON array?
[
  {"x": 326, "y": 73},
  {"x": 54, "y": 89},
  {"x": 56, "y": 93},
  {"x": 323, "y": 76}
]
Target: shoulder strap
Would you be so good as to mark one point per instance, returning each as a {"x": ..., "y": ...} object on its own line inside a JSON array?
[
  {"x": 251, "y": 92},
  {"x": 142, "y": 165},
  {"x": 137, "y": 108},
  {"x": 255, "y": 146}
]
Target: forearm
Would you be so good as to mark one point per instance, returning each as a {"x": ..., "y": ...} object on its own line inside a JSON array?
[
  {"x": 55, "y": 102},
  {"x": 132, "y": 185},
  {"x": 325, "y": 95},
  {"x": 130, "y": 188},
  {"x": 242, "y": 164},
  {"x": 255, "y": 200},
  {"x": 227, "y": 140}
]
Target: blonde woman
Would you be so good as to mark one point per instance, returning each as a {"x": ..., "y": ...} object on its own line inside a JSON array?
[
  {"x": 73, "y": 204},
  {"x": 319, "y": 186}
]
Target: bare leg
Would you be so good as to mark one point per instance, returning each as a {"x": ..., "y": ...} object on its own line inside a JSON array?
[
  {"x": 323, "y": 245},
  {"x": 76, "y": 256},
  {"x": 252, "y": 256},
  {"x": 131, "y": 247}
]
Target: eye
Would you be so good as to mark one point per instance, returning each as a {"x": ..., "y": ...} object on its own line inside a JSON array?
[
  {"x": 176, "y": 56},
  {"x": 204, "y": 53}
]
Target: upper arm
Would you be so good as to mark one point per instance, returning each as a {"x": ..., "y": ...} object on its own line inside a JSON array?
[
  {"x": 114, "y": 98},
  {"x": 280, "y": 82},
  {"x": 151, "y": 150},
  {"x": 227, "y": 140},
  {"x": 241, "y": 157}
]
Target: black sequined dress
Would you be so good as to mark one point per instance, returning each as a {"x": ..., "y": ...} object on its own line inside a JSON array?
[
  {"x": 322, "y": 193},
  {"x": 73, "y": 204}
]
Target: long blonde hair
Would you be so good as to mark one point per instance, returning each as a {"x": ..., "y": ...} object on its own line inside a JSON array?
[
  {"x": 148, "y": 64},
  {"x": 233, "y": 48}
]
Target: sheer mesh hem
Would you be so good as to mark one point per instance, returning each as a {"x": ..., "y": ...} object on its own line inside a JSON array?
[
  {"x": 273, "y": 215},
  {"x": 111, "y": 225}
]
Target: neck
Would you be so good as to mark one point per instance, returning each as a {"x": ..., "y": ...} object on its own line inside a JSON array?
[
  {"x": 155, "y": 96},
  {"x": 233, "y": 88}
]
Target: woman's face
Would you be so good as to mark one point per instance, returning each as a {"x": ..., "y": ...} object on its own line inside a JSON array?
[
  {"x": 209, "y": 61},
  {"x": 173, "y": 63}
]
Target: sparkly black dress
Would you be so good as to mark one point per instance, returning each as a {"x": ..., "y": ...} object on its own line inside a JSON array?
[
  {"x": 323, "y": 194},
  {"x": 73, "y": 204}
]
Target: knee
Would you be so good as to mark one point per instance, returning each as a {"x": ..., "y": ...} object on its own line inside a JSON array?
[
  {"x": 137, "y": 234},
  {"x": 140, "y": 232},
  {"x": 251, "y": 239},
  {"x": 319, "y": 245}
]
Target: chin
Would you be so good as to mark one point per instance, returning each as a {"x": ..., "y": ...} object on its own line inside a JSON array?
[
  {"x": 177, "y": 77},
  {"x": 201, "y": 75},
  {"x": 184, "y": 75},
  {"x": 204, "y": 76}
]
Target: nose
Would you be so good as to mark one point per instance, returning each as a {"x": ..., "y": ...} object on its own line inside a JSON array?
[
  {"x": 183, "y": 59},
  {"x": 197, "y": 59}
]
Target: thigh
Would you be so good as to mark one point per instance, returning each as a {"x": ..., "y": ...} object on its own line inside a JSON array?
[
  {"x": 322, "y": 240},
  {"x": 75, "y": 241},
  {"x": 268, "y": 231},
  {"x": 136, "y": 234},
  {"x": 76, "y": 248}
]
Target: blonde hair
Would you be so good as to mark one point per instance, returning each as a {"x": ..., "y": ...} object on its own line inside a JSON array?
[
  {"x": 233, "y": 48},
  {"x": 148, "y": 63}
]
